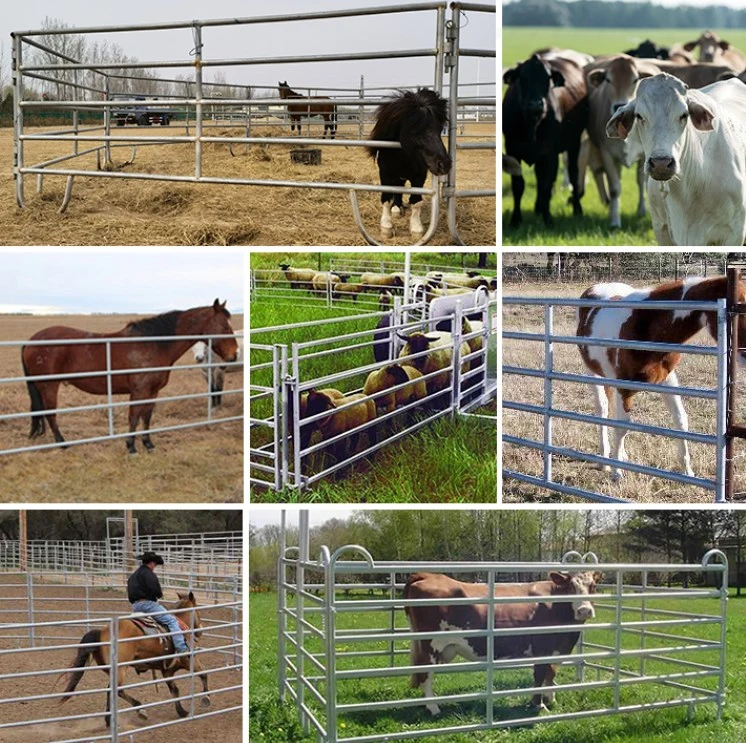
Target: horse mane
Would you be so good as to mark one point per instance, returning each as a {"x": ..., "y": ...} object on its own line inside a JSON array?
[
  {"x": 403, "y": 106},
  {"x": 163, "y": 324}
]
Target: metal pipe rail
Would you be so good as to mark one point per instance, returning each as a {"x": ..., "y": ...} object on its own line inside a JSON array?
[
  {"x": 547, "y": 408},
  {"x": 201, "y": 97},
  {"x": 327, "y": 703}
]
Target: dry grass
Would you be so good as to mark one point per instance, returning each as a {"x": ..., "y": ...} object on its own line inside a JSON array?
[
  {"x": 659, "y": 451},
  {"x": 200, "y": 464},
  {"x": 108, "y": 211}
]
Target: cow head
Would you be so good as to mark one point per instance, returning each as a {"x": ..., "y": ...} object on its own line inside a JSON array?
[
  {"x": 620, "y": 77},
  {"x": 710, "y": 46},
  {"x": 661, "y": 114},
  {"x": 579, "y": 585},
  {"x": 533, "y": 80}
]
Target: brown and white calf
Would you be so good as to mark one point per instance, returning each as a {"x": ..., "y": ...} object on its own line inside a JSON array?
[
  {"x": 663, "y": 326},
  {"x": 578, "y": 587}
]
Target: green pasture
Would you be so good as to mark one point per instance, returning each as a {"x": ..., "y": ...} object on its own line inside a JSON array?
[
  {"x": 273, "y": 722},
  {"x": 593, "y": 227},
  {"x": 449, "y": 460}
]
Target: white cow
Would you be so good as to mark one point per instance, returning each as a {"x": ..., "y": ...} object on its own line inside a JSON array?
[{"x": 695, "y": 158}]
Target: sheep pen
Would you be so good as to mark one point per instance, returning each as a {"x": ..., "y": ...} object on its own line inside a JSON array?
[{"x": 444, "y": 433}]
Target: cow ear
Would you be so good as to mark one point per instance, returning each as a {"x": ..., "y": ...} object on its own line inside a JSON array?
[
  {"x": 724, "y": 45},
  {"x": 560, "y": 579},
  {"x": 558, "y": 79},
  {"x": 620, "y": 124},
  {"x": 701, "y": 116},
  {"x": 510, "y": 76},
  {"x": 596, "y": 77},
  {"x": 690, "y": 45}
]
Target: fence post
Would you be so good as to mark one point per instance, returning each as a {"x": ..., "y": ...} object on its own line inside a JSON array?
[
  {"x": 109, "y": 399},
  {"x": 723, "y": 405},
  {"x": 280, "y": 381},
  {"x": 113, "y": 678},
  {"x": 293, "y": 381},
  {"x": 198, "y": 113},
  {"x": 456, "y": 358},
  {"x": 548, "y": 368},
  {"x": 17, "y": 79},
  {"x": 618, "y": 639},
  {"x": 734, "y": 278},
  {"x": 210, "y": 373},
  {"x": 489, "y": 706},
  {"x": 30, "y": 594},
  {"x": 330, "y": 648}
]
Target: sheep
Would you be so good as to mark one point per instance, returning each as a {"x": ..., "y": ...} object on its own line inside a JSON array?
[
  {"x": 322, "y": 279},
  {"x": 351, "y": 290},
  {"x": 390, "y": 376},
  {"x": 307, "y": 431},
  {"x": 299, "y": 278},
  {"x": 433, "y": 293},
  {"x": 441, "y": 356},
  {"x": 342, "y": 421},
  {"x": 459, "y": 280},
  {"x": 381, "y": 336},
  {"x": 373, "y": 281}
]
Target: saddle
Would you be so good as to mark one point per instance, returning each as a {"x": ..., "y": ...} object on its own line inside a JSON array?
[{"x": 150, "y": 627}]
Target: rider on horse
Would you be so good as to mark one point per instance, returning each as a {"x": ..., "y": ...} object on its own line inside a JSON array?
[{"x": 143, "y": 592}]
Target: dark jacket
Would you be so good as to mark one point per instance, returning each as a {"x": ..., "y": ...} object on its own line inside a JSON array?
[{"x": 143, "y": 584}]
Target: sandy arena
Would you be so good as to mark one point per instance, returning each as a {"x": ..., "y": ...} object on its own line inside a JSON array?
[
  {"x": 225, "y": 727},
  {"x": 109, "y": 211},
  {"x": 203, "y": 464}
]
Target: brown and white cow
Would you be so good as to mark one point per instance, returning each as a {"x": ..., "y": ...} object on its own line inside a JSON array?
[
  {"x": 578, "y": 587},
  {"x": 714, "y": 49}
]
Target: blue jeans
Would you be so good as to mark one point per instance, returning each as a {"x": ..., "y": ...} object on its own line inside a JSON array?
[{"x": 167, "y": 620}]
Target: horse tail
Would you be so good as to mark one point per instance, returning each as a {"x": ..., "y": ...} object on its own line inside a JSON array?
[
  {"x": 37, "y": 421},
  {"x": 73, "y": 677}
]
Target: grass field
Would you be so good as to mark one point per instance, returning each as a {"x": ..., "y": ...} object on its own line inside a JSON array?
[
  {"x": 199, "y": 464},
  {"x": 273, "y": 722},
  {"x": 447, "y": 460},
  {"x": 110, "y": 211},
  {"x": 593, "y": 227},
  {"x": 696, "y": 371}
]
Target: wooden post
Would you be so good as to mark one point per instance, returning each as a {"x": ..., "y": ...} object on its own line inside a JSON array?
[
  {"x": 128, "y": 555},
  {"x": 23, "y": 541}
]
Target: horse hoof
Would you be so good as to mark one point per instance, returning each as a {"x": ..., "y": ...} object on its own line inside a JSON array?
[
  {"x": 395, "y": 210},
  {"x": 206, "y": 702},
  {"x": 181, "y": 712},
  {"x": 387, "y": 232},
  {"x": 417, "y": 233}
]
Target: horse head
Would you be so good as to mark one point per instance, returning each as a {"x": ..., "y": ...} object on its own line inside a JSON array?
[
  {"x": 218, "y": 322},
  {"x": 188, "y": 601},
  {"x": 421, "y": 125}
]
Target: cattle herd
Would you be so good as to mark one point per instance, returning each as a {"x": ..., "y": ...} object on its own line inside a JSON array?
[{"x": 679, "y": 120}]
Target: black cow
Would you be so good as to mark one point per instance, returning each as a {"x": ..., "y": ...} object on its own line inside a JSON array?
[
  {"x": 545, "y": 110},
  {"x": 649, "y": 50}
]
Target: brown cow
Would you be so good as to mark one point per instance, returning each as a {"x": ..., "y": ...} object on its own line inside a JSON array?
[
  {"x": 576, "y": 610},
  {"x": 699, "y": 74},
  {"x": 612, "y": 83},
  {"x": 714, "y": 49}
]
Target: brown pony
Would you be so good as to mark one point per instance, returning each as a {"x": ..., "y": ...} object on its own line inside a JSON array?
[
  {"x": 139, "y": 647},
  {"x": 76, "y": 358},
  {"x": 324, "y": 108}
]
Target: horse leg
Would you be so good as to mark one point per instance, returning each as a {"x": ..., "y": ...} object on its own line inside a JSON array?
[
  {"x": 206, "y": 702},
  {"x": 622, "y": 404},
  {"x": 49, "y": 391},
  {"x": 134, "y": 416},
  {"x": 387, "y": 225},
  {"x": 415, "y": 221},
  {"x": 180, "y": 711},
  {"x": 602, "y": 410},
  {"x": 146, "y": 416},
  {"x": 680, "y": 421},
  {"x": 128, "y": 698}
]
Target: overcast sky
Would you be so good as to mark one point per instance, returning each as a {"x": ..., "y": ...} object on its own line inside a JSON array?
[
  {"x": 259, "y": 516},
  {"x": 137, "y": 281},
  {"x": 376, "y": 33}
]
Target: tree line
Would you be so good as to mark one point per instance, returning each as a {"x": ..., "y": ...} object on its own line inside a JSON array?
[
  {"x": 539, "y": 535},
  {"x": 83, "y": 525},
  {"x": 602, "y": 14}
]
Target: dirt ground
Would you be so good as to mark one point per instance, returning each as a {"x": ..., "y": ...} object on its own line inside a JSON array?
[
  {"x": 190, "y": 465},
  {"x": 226, "y": 727},
  {"x": 108, "y": 211},
  {"x": 643, "y": 448}
]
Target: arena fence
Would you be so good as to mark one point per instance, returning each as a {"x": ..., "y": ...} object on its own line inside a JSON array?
[
  {"x": 282, "y": 372},
  {"x": 195, "y": 106},
  {"x": 339, "y": 648},
  {"x": 111, "y": 406},
  {"x": 34, "y": 638},
  {"x": 548, "y": 410}
]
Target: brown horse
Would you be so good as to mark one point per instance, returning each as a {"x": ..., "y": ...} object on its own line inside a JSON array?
[
  {"x": 139, "y": 647},
  {"x": 324, "y": 108},
  {"x": 60, "y": 359}
]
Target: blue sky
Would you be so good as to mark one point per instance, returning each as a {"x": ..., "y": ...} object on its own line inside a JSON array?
[{"x": 137, "y": 280}]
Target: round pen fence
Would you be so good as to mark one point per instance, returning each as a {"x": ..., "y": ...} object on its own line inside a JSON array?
[
  {"x": 282, "y": 373},
  {"x": 111, "y": 409},
  {"x": 103, "y": 96},
  {"x": 344, "y": 645},
  {"x": 539, "y": 350},
  {"x": 44, "y": 617}
]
